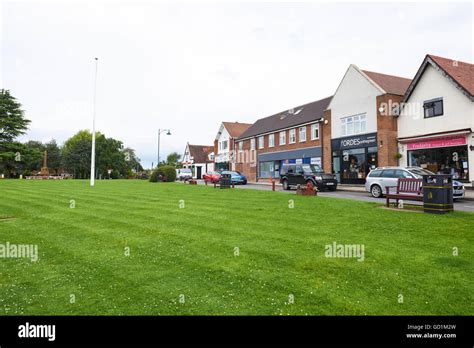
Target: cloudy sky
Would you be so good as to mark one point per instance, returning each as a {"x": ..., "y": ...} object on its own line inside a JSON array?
[{"x": 189, "y": 66}]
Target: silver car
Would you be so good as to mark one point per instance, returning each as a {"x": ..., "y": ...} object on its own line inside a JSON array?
[{"x": 379, "y": 178}]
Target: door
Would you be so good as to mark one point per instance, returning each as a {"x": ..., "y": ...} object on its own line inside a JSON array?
[
  {"x": 336, "y": 167},
  {"x": 198, "y": 172},
  {"x": 299, "y": 176}
]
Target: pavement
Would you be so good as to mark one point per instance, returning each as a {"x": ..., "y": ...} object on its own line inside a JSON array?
[{"x": 355, "y": 192}]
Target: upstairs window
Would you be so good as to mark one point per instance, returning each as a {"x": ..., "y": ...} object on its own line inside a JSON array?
[
  {"x": 252, "y": 144},
  {"x": 433, "y": 107},
  {"x": 241, "y": 145},
  {"x": 315, "y": 131},
  {"x": 271, "y": 140},
  {"x": 292, "y": 136},
  {"x": 353, "y": 125},
  {"x": 302, "y": 134},
  {"x": 260, "y": 142},
  {"x": 282, "y": 138}
]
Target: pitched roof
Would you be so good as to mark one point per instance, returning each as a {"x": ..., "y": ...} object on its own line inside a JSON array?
[
  {"x": 289, "y": 118},
  {"x": 461, "y": 73},
  {"x": 235, "y": 129},
  {"x": 200, "y": 153},
  {"x": 389, "y": 83}
]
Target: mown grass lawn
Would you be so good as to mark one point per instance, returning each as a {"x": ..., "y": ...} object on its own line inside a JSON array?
[{"x": 190, "y": 251}]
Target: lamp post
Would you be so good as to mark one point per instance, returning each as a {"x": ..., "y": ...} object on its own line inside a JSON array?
[
  {"x": 93, "y": 126},
  {"x": 168, "y": 132}
]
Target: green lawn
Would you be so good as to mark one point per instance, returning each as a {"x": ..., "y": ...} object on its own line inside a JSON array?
[{"x": 190, "y": 251}]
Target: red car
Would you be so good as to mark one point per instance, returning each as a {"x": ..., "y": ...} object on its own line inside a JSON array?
[{"x": 212, "y": 177}]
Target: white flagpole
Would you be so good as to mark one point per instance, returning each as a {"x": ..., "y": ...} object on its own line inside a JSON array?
[{"x": 93, "y": 125}]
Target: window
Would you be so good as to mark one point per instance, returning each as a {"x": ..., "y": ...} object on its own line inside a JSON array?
[
  {"x": 283, "y": 138},
  {"x": 252, "y": 144},
  {"x": 260, "y": 142},
  {"x": 433, "y": 107},
  {"x": 302, "y": 134},
  {"x": 223, "y": 145},
  {"x": 241, "y": 145},
  {"x": 315, "y": 131},
  {"x": 271, "y": 140},
  {"x": 353, "y": 125},
  {"x": 292, "y": 136},
  {"x": 388, "y": 173}
]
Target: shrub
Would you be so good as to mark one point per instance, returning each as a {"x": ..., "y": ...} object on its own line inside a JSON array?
[{"x": 163, "y": 173}]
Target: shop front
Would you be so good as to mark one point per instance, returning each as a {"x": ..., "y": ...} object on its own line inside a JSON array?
[
  {"x": 441, "y": 155},
  {"x": 269, "y": 164},
  {"x": 354, "y": 157}
]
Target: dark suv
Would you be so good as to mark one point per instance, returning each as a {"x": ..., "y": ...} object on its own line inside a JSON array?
[{"x": 300, "y": 174}]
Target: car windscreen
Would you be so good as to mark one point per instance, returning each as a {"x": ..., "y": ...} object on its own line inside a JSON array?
[{"x": 311, "y": 168}]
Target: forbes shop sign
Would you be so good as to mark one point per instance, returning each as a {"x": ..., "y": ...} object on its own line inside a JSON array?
[{"x": 356, "y": 141}]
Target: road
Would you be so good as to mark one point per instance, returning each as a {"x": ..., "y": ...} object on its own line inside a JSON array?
[{"x": 462, "y": 205}]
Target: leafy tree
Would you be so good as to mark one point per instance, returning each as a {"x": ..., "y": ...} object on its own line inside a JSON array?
[
  {"x": 12, "y": 120},
  {"x": 173, "y": 159},
  {"x": 12, "y": 124},
  {"x": 110, "y": 155},
  {"x": 54, "y": 156}
]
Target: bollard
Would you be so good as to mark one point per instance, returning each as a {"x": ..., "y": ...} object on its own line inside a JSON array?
[
  {"x": 205, "y": 182},
  {"x": 273, "y": 185}
]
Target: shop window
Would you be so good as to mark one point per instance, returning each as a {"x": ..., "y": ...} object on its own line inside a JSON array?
[
  {"x": 445, "y": 160},
  {"x": 433, "y": 107},
  {"x": 266, "y": 169}
]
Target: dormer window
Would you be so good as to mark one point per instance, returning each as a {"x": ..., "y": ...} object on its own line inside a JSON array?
[{"x": 433, "y": 107}]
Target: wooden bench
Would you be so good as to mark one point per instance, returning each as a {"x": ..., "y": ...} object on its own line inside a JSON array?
[{"x": 409, "y": 189}]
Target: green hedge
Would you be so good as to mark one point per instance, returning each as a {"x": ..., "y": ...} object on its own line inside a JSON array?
[{"x": 163, "y": 173}]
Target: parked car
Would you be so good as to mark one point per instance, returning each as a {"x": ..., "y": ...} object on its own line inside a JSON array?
[
  {"x": 235, "y": 177},
  {"x": 212, "y": 177},
  {"x": 300, "y": 174},
  {"x": 379, "y": 178},
  {"x": 184, "y": 174}
]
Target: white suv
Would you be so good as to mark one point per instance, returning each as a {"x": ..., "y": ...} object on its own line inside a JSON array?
[{"x": 379, "y": 178}]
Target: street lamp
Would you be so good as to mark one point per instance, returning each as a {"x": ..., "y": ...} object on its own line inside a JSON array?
[
  {"x": 168, "y": 132},
  {"x": 93, "y": 125}
]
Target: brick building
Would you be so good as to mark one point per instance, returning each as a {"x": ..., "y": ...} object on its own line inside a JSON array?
[
  {"x": 291, "y": 136},
  {"x": 361, "y": 128}
]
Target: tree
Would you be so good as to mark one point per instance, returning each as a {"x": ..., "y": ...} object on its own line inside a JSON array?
[
  {"x": 110, "y": 155},
  {"x": 76, "y": 154},
  {"x": 173, "y": 159},
  {"x": 12, "y": 124},
  {"x": 132, "y": 161},
  {"x": 54, "y": 156},
  {"x": 12, "y": 120}
]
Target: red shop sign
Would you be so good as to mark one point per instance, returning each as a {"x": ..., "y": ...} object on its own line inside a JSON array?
[{"x": 439, "y": 142}]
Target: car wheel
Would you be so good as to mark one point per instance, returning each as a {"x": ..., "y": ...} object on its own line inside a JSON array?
[
  {"x": 285, "y": 185},
  {"x": 376, "y": 191}
]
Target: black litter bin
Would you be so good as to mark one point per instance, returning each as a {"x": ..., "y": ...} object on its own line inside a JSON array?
[
  {"x": 225, "y": 181},
  {"x": 437, "y": 194}
]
